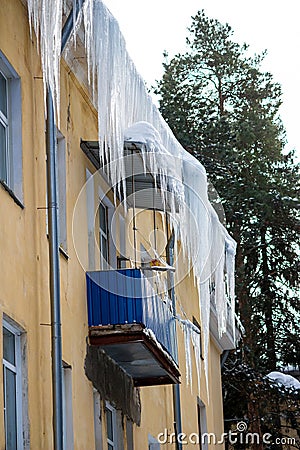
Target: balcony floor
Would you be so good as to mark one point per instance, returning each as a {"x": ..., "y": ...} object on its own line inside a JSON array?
[{"x": 136, "y": 352}]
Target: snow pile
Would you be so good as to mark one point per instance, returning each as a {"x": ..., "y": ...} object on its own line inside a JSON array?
[
  {"x": 284, "y": 380},
  {"x": 126, "y": 111}
]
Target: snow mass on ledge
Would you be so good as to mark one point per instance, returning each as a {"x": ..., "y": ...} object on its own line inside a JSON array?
[{"x": 283, "y": 379}]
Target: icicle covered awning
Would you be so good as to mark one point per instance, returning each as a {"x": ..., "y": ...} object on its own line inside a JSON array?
[{"x": 126, "y": 111}]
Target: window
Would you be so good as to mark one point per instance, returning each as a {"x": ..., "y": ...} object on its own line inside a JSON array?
[
  {"x": 196, "y": 323},
  {"x": 103, "y": 236},
  {"x": 60, "y": 152},
  {"x": 61, "y": 189},
  {"x": 111, "y": 427},
  {"x": 4, "y": 157},
  {"x": 153, "y": 443},
  {"x": 12, "y": 387},
  {"x": 10, "y": 129},
  {"x": 68, "y": 437},
  {"x": 202, "y": 425},
  {"x": 129, "y": 434},
  {"x": 97, "y": 421},
  {"x": 90, "y": 205}
]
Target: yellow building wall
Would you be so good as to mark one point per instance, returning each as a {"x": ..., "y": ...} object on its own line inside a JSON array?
[{"x": 24, "y": 293}]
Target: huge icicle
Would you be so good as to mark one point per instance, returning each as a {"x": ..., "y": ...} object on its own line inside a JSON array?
[
  {"x": 191, "y": 335},
  {"x": 127, "y": 110},
  {"x": 45, "y": 17}
]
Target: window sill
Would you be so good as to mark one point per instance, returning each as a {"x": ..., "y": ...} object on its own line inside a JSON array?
[{"x": 11, "y": 193}]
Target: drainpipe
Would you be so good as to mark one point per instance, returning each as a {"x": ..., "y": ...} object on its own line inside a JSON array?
[
  {"x": 176, "y": 387},
  {"x": 69, "y": 24},
  {"x": 224, "y": 358},
  {"x": 54, "y": 276},
  {"x": 54, "y": 272}
]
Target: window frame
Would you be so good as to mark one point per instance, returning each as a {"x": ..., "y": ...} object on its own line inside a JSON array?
[
  {"x": 97, "y": 419},
  {"x": 104, "y": 263},
  {"x": 61, "y": 177},
  {"x": 153, "y": 443},
  {"x": 4, "y": 121},
  {"x": 113, "y": 443},
  {"x": 17, "y": 369},
  {"x": 61, "y": 194},
  {"x": 12, "y": 179},
  {"x": 202, "y": 423},
  {"x": 68, "y": 429}
]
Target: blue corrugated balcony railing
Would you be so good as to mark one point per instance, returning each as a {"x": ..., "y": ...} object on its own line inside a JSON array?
[{"x": 118, "y": 302}]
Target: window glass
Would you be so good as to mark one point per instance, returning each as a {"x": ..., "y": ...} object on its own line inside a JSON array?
[
  {"x": 3, "y": 94},
  {"x": 202, "y": 425},
  {"x": 104, "y": 249},
  {"x": 103, "y": 237},
  {"x": 103, "y": 218},
  {"x": 3, "y": 162},
  {"x": 68, "y": 435},
  {"x": 8, "y": 346},
  {"x": 97, "y": 421},
  {"x": 61, "y": 187},
  {"x": 10, "y": 409},
  {"x": 12, "y": 387},
  {"x": 109, "y": 424},
  {"x": 153, "y": 444},
  {"x": 11, "y": 129}
]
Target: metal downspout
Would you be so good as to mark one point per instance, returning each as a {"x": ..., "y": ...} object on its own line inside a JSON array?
[
  {"x": 69, "y": 24},
  {"x": 176, "y": 387},
  {"x": 54, "y": 271}
]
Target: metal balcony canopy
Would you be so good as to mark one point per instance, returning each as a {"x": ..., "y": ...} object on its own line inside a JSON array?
[{"x": 142, "y": 190}]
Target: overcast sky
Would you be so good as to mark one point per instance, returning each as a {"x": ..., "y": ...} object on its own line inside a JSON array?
[{"x": 150, "y": 27}]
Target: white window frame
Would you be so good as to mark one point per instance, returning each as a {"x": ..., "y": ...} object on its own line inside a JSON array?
[
  {"x": 17, "y": 369},
  {"x": 104, "y": 235},
  {"x": 61, "y": 177},
  {"x": 153, "y": 443},
  {"x": 97, "y": 420},
  {"x": 4, "y": 121},
  {"x": 113, "y": 411},
  {"x": 68, "y": 433},
  {"x": 111, "y": 231},
  {"x": 202, "y": 423},
  {"x": 13, "y": 179},
  {"x": 91, "y": 211},
  {"x": 61, "y": 193}
]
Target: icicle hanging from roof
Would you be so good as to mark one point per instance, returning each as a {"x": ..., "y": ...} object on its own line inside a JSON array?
[
  {"x": 45, "y": 17},
  {"x": 191, "y": 335},
  {"x": 122, "y": 100}
]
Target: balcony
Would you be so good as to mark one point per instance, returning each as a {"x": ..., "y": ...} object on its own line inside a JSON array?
[{"x": 133, "y": 325}]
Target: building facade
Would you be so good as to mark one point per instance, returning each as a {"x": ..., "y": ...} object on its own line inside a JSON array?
[{"x": 132, "y": 329}]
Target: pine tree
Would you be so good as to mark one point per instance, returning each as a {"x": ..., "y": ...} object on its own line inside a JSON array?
[
  {"x": 224, "y": 110},
  {"x": 263, "y": 405}
]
